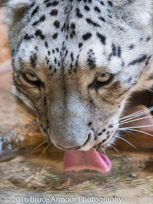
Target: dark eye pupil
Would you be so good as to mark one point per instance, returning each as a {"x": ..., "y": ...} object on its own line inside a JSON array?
[
  {"x": 103, "y": 75},
  {"x": 32, "y": 75}
]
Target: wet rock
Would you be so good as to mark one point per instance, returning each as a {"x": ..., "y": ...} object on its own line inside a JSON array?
[
  {"x": 4, "y": 51},
  {"x": 6, "y": 76},
  {"x": 18, "y": 126},
  {"x": 5, "y": 64}
]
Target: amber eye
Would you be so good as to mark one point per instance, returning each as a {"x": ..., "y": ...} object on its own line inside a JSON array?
[
  {"x": 31, "y": 78},
  {"x": 103, "y": 78}
]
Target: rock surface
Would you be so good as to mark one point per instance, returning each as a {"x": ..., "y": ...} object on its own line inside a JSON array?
[
  {"x": 4, "y": 51},
  {"x": 5, "y": 63},
  {"x": 18, "y": 125}
]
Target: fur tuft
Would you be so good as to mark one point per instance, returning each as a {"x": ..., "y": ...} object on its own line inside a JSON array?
[
  {"x": 18, "y": 4},
  {"x": 143, "y": 11},
  {"x": 136, "y": 12}
]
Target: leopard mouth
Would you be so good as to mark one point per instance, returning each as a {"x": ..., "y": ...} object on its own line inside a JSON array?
[
  {"x": 85, "y": 158},
  {"x": 93, "y": 159},
  {"x": 76, "y": 160}
]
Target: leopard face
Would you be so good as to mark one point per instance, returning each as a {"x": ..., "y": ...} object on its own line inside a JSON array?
[{"x": 77, "y": 62}]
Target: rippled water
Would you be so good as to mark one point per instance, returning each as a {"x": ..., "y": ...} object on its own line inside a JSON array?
[{"x": 24, "y": 173}]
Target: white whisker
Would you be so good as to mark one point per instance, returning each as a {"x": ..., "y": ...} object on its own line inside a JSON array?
[
  {"x": 116, "y": 150},
  {"x": 132, "y": 114},
  {"x": 125, "y": 130},
  {"x": 143, "y": 132},
  {"x": 133, "y": 127},
  {"x": 33, "y": 121},
  {"x": 45, "y": 149},
  {"x": 119, "y": 152},
  {"x": 39, "y": 146},
  {"x": 122, "y": 123},
  {"x": 136, "y": 114},
  {"x": 105, "y": 152},
  {"x": 127, "y": 142}
]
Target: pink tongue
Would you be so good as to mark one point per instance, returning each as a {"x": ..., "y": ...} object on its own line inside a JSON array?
[{"x": 79, "y": 160}]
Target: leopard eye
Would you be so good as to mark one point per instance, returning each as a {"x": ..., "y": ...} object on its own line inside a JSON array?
[
  {"x": 103, "y": 78},
  {"x": 31, "y": 78}
]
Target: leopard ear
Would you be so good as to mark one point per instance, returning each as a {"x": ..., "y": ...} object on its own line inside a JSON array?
[
  {"x": 142, "y": 10},
  {"x": 139, "y": 12},
  {"x": 16, "y": 19},
  {"x": 17, "y": 8},
  {"x": 19, "y": 4}
]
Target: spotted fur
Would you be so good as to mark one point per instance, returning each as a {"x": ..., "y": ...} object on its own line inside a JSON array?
[{"x": 67, "y": 44}]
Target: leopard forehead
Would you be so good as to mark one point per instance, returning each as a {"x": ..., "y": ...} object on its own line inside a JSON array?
[{"x": 99, "y": 35}]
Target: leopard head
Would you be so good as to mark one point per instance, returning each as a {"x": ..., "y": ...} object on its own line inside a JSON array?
[{"x": 77, "y": 62}]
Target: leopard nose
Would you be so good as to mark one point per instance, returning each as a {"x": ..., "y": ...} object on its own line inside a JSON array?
[
  {"x": 76, "y": 147},
  {"x": 69, "y": 143},
  {"x": 68, "y": 134}
]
